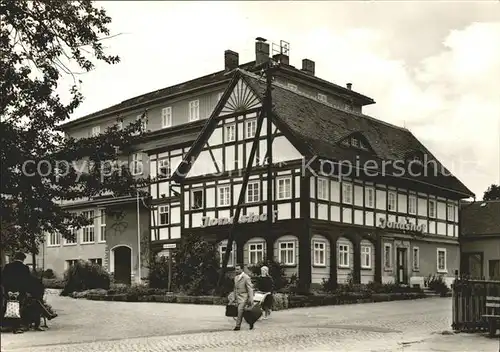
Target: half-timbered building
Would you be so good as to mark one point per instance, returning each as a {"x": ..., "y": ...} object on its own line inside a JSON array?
[{"x": 367, "y": 223}]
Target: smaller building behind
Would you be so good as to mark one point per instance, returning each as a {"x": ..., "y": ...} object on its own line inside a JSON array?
[{"x": 480, "y": 239}]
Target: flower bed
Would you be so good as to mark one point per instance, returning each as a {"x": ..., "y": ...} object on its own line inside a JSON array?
[
  {"x": 296, "y": 301},
  {"x": 281, "y": 300}
]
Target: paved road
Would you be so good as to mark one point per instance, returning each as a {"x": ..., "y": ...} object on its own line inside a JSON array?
[{"x": 117, "y": 326}]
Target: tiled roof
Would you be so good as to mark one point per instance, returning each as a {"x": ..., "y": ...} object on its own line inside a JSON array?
[
  {"x": 322, "y": 127},
  {"x": 159, "y": 94},
  {"x": 481, "y": 218}
]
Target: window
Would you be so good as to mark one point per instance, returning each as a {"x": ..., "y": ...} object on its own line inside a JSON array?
[
  {"x": 163, "y": 168},
  {"x": 319, "y": 253},
  {"x": 284, "y": 188},
  {"x": 416, "y": 258},
  {"x": 391, "y": 201},
  {"x": 166, "y": 117},
  {"x": 163, "y": 215},
  {"x": 197, "y": 199},
  {"x": 366, "y": 257},
  {"x": 224, "y": 196},
  {"x": 292, "y": 87},
  {"x": 287, "y": 253},
  {"x": 412, "y": 205},
  {"x": 346, "y": 193},
  {"x": 230, "y": 133},
  {"x": 441, "y": 260},
  {"x": 323, "y": 189},
  {"x": 343, "y": 255},
  {"x": 494, "y": 269},
  {"x": 432, "y": 208},
  {"x": 369, "y": 197},
  {"x": 355, "y": 142},
  {"x": 451, "y": 212},
  {"x": 102, "y": 225},
  {"x": 255, "y": 253},
  {"x": 54, "y": 239},
  {"x": 74, "y": 233},
  {"x": 387, "y": 256},
  {"x": 136, "y": 164},
  {"x": 88, "y": 234},
  {"x": 70, "y": 263},
  {"x": 97, "y": 261},
  {"x": 232, "y": 256},
  {"x": 96, "y": 130},
  {"x": 194, "y": 110},
  {"x": 321, "y": 97},
  {"x": 253, "y": 192},
  {"x": 250, "y": 128}
]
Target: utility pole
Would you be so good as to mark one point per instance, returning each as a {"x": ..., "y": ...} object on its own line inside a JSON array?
[
  {"x": 268, "y": 108},
  {"x": 266, "y": 112}
]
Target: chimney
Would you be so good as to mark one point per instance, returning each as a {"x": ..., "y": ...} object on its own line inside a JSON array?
[
  {"x": 282, "y": 59},
  {"x": 349, "y": 86},
  {"x": 231, "y": 60},
  {"x": 308, "y": 66},
  {"x": 261, "y": 51}
]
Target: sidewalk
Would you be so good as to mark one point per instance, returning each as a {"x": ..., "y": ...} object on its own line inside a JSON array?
[{"x": 461, "y": 342}]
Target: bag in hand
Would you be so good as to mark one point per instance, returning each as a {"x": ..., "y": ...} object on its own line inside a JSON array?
[
  {"x": 231, "y": 310},
  {"x": 252, "y": 314},
  {"x": 13, "y": 308}
]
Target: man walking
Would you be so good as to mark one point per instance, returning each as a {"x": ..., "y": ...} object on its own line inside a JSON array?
[{"x": 243, "y": 293}]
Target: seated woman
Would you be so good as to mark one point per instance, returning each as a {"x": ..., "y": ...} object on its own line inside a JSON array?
[
  {"x": 35, "y": 307},
  {"x": 265, "y": 284}
]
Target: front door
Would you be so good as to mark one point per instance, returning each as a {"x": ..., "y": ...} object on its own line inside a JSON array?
[
  {"x": 123, "y": 265},
  {"x": 401, "y": 269}
]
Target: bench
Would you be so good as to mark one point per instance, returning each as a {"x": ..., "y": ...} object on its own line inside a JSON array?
[{"x": 492, "y": 313}]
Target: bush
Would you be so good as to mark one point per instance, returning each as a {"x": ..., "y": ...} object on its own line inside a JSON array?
[
  {"x": 437, "y": 284},
  {"x": 84, "y": 276},
  {"x": 53, "y": 283},
  {"x": 49, "y": 274},
  {"x": 276, "y": 271},
  {"x": 196, "y": 266},
  {"x": 158, "y": 273}
]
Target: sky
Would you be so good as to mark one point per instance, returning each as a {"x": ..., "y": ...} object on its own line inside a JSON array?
[{"x": 432, "y": 67}]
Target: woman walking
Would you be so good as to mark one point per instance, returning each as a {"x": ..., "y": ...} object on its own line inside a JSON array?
[{"x": 265, "y": 284}]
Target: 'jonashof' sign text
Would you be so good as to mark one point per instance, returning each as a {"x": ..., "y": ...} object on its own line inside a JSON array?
[
  {"x": 208, "y": 221},
  {"x": 407, "y": 226}
]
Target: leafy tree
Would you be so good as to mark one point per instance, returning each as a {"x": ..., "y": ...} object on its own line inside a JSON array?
[
  {"x": 40, "y": 42},
  {"x": 492, "y": 193},
  {"x": 196, "y": 266}
]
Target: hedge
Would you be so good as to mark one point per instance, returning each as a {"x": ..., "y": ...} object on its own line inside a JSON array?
[{"x": 281, "y": 301}]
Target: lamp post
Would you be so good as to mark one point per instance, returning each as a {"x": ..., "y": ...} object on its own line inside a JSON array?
[{"x": 139, "y": 279}]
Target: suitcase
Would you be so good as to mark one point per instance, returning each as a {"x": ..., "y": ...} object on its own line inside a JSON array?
[
  {"x": 231, "y": 310},
  {"x": 252, "y": 314}
]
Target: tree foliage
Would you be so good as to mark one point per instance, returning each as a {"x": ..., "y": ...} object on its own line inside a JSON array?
[
  {"x": 196, "y": 266},
  {"x": 492, "y": 193},
  {"x": 41, "y": 42}
]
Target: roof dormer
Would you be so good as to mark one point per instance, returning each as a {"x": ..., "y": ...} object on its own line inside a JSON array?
[
  {"x": 356, "y": 140},
  {"x": 415, "y": 157}
]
